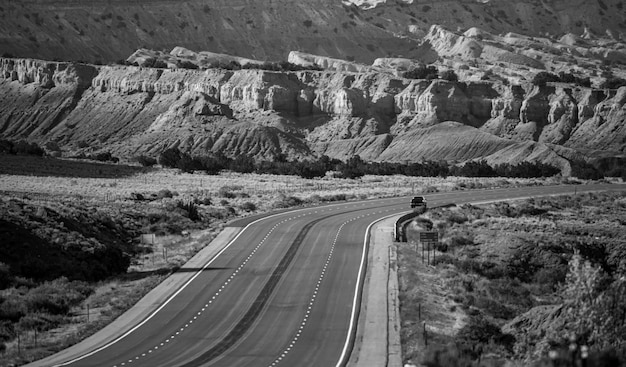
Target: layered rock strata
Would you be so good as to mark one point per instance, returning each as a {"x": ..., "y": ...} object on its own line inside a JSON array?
[{"x": 133, "y": 110}]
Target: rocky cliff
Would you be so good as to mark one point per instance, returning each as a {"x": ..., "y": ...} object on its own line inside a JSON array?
[{"x": 134, "y": 110}]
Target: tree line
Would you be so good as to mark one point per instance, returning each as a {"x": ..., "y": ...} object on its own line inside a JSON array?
[{"x": 353, "y": 167}]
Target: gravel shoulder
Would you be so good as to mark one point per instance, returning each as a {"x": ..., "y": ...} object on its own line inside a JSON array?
[{"x": 378, "y": 333}]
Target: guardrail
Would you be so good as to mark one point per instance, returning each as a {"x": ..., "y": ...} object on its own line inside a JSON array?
[{"x": 399, "y": 232}]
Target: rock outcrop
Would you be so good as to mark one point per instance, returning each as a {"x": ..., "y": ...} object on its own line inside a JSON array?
[{"x": 135, "y": 110}]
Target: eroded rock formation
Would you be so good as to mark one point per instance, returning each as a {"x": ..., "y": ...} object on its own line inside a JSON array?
[{"x": 132, "y": 110}]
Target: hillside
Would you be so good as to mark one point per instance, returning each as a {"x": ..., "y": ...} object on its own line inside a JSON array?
[
  {"x": 361, "y": 30},
  {"x": 371, "y": 111}
]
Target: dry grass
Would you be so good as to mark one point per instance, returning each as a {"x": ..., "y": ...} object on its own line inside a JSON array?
[
  {"x": 112, "y": 186},
  {"x": 426, "y": 303},
  {"x": 529, "y": 253}
]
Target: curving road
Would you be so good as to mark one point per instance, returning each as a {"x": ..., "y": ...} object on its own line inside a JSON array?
[{"x": 284, "y": 292}]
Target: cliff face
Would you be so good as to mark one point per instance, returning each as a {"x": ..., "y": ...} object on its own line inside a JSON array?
[{"x": 133, "y": 110}]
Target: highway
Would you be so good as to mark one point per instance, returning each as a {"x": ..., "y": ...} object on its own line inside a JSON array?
[{"x": 284, "y": 292}]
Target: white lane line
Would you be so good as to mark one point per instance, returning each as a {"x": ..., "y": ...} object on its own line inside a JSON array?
[{"x": 311, "y": 301}]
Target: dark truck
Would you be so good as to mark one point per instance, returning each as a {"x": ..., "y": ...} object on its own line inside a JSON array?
[{"x": 418, "y": 202}]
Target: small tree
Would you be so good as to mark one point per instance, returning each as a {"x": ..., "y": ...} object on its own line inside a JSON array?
[
  {"x": 146, "y": 161},
  {"x": 449, "y": 75},
  {"x": 170, "y": 157},
  {"x": 543, "y": 77}
]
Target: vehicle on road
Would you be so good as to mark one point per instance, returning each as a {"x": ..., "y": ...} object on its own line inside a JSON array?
[{"x": 418, "y": 202}]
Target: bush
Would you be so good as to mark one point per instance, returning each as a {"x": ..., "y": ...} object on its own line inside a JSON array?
[
  {"x": 449, "y": 75},
  {"x": 165, "y": 193},
  {"x": 188, "y": 164},
  {"x": 186, "y": 64},
  {"x": 585, "y": 171},
  {"x": 543, "y": 77},
  {"x": 422, "y": 72},
  {"x": 169, "y": 158},
  {"x": 225, "y": 192},
  {"x": 103, "y": 157},
  {"x": 288, "y": 202},
  {"x": 26, "y": 148},
  {"x": 6, "y": 146},
  {"x": 457, "y": 218},
  {"x": 480, "y": 330},
  {"x": 146, "y": 161},
  {"x": 444, "y": 259},
  {"x": 248, "y": 206},
  {"x": 190, "y": 209},
  {"x": 12, "y": 310}
]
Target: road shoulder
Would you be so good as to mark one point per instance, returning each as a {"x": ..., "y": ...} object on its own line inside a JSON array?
[
  {"x": 377, "y": 342},
  {"x": 146, "y": 306}
]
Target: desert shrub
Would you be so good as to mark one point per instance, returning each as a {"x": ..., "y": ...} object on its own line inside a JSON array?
[
  {"x": 444, "y": 259},
  {"x": 287, "y": 202},
  {"x": 155, "y": 63},
  {"x": 169, "y": 158},
  {"x": 164, "y": 193},
  {"x": 450, "y": 355},
  {"x": 441, "y": 247},
  {"x": 593, "y": 307},
  {"x": 12, "y": 309},
  {"x": 474, "y": 169},
  {"x": 6, "y": 146},
  {"x": 226, "y": 192},
  {"x": 215, "y": 213},
  {"x": 526, "y": 170},
  {"x": 479, "y": 330},
  {"x": 528, "y": 209},
  {"x": 248, "y": 206},
  {"x": 204, "y": 201},
  {"x": 353, "y": 168},
  {"x": 543, "y": 77},
  {"x": 26, "y": 148},
  {"x": 212, "y": 165},
  {"x": 494, "y": 308},
  {"x": 188, "y": 164},
  {"x": 335, "y": 197},
  {"x": 186, "y": 64},
  {"x": 232, "y": 65},
  {"x": 449, "y": 75},
  {"x": 242, "y": 164},
  {"x": 468, "y": 266},
  {"x": 146, "y": 161},
  {"x": 585, "y": 171},
  {"x": 504, "y": 209},
  {"x": 40, "y": 321},
  {"x": 457, "y": 218},
  {"x": 189, "y": 208},
  {"x": 422, "y": 72},
  {"x": 56, "y": 297},
  {"x": 7, "y": 331},
  {"x": 103, "y": 157},
  {"x": 492, "y": 270}
]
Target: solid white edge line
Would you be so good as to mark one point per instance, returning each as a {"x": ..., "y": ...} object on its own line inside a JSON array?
[
  {"x": 107, "y": 345},
  {"x": 361, "y": 277}
]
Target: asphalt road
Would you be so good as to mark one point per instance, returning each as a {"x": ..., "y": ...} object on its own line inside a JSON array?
[{"x": 284, "y": 292}]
